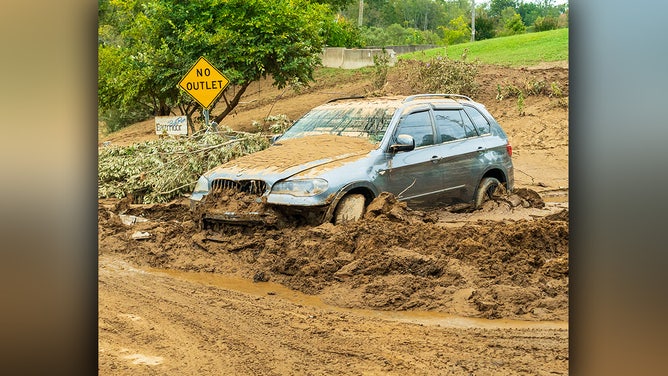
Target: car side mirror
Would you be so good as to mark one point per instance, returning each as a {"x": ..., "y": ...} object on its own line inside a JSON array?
[{"x": 404, "y": 143}]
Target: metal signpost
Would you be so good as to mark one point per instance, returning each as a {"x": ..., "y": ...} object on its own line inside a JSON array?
[{"x": 204, "y": 83}]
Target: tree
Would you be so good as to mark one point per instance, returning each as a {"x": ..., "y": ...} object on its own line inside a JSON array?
[
  {"x": 530, "y": 12},
  {"x": 417, "y": 14},
  {"x": 514, "y": 25},
  {"x": 147, "y": 46},
  {"x": 458, "y": 31},
  {"x": 342, "y": 33},
  {"x": 496, "y": 7},
  {"x": 336, "y": 4},
  {"x": 484, "y": 26}
]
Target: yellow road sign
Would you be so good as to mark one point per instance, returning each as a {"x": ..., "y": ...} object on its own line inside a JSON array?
[{"x": 204, "y": 82}]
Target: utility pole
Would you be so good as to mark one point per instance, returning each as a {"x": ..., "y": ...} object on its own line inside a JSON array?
[
  {"x": 359, "y": 17},
  {"x": 472, "y": 20}
]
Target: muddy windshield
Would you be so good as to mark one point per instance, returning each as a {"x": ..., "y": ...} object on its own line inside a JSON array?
[{"x": 364, "y": 121}]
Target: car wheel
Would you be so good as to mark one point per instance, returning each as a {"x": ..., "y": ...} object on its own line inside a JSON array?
[
  {"x": 486, "y": 191},
  {"x": 349, "y": 209}
]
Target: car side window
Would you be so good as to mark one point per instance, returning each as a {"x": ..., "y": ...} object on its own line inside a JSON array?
[
  {"x": 418, "y": 125},
  {"x": 453, "y": 125},
  {"x": 478, "y": 119}
]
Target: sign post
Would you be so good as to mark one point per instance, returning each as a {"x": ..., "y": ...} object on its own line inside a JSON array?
[{"x": 204, "y": 83}]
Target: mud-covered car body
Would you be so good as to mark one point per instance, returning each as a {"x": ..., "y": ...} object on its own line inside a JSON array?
[{"x": 430, "y": 149}]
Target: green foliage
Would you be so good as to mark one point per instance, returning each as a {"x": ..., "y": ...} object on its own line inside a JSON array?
[
  {"x": 496, "y": 7},
  {"x": 514, "y": 25},
  {"x": 555, "y": 90},
  {"x": 545, "y": 23},
  {"x": 335, "y": 4},
  {"x": 147, "y": 46},
  {"x": 520, "y": 104},
  {"x": 531, "y": 87},
  {"x": 457, "y": 31},
  {"x": 442, "y": 75},
  {"x": 417, "y": 14},
  {"x": 115, "y": 119},
  {"x": 159, "y": 171},
  {"x": 484, "y": 27},
  {"x": 342, "y": 33},
  {"x": 381, "y": 64},
  {"x": 517, "y": 50},
  {"x": 529, "y": 12},
  {"x": 396, "y": 34}
]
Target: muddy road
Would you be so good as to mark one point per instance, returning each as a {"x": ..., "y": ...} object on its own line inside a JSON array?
[{"x": 400, "y": 292}]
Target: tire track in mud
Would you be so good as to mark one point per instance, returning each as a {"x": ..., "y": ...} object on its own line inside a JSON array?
[{"x": 155, "y": 324}]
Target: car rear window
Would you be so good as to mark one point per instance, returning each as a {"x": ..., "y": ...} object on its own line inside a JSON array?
[
  {"x": 478, "y": 119},
  {"x": 453, "y": 125}
]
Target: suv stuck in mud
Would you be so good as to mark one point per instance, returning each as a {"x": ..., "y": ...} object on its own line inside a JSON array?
[{"x": 428, "y": 150}]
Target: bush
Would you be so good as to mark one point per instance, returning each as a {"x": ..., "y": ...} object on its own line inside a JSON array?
[
  {"x": 514, "y": 25},
  {"x": 115, "y": 119},
  {"x": 396, "y": 34},
  {"x": 342, "y": 33},
  {"x": 442, "y": 75},
  {"x": 458, "y": 31},
  {"x": 545, "y": 23}
]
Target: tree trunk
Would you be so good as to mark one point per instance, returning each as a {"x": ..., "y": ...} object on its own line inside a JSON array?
[{"x": 233, "y": 103}]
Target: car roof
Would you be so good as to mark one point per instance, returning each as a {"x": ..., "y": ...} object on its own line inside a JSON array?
[{"x": 397, "y": 101}]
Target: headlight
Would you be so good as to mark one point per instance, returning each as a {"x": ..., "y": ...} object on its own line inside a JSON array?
[
  {"x": 202, "y": 185},
  {"x": 302, "y": 187}
]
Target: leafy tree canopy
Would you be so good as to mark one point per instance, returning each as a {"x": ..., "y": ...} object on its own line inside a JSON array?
[{"x": 147, "y": 46}]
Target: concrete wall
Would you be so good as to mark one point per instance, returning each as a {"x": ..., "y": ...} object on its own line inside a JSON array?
[
  {"x": 352, "y": 58},
  {"x": 346, "y": 58},
  {"x": 407, "y": 49}
]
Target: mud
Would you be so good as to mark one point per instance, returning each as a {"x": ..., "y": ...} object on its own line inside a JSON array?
[
  {"x": 395, "y": 258},
  {"x": 288, "y": 153},
  {"x": 402, "y": 291}
]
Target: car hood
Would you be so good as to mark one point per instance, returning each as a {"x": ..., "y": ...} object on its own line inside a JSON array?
[{"x": 289, "y": 157}]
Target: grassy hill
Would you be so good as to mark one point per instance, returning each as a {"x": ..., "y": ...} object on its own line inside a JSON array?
[{"x": 516, "y": 50}]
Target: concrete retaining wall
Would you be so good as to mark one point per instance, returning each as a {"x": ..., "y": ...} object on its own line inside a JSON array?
[
  {"x": 352, "y": 58},
  {"x": 346, "y": 58},
  {"x": 407, "y": 49}
]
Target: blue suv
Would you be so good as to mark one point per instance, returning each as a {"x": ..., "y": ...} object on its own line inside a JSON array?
[{"x": 428, "y": 150}]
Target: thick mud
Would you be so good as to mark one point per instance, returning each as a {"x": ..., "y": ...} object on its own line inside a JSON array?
[{"x": 394, "y": 258}]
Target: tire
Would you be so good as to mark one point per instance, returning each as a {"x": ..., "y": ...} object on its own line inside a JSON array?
[
  {"x": 486, "y": 191},
  {"x": 349, "y": 209}
]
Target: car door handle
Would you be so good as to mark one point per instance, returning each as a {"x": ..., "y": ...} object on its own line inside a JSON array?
[{"x": 435, "y": 159}]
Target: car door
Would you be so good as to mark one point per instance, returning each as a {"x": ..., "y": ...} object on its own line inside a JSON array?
[
  {"x": 495, "y": 142},
  {"x": 461, "y": 154},
  {"x": 412, "y": 175}
]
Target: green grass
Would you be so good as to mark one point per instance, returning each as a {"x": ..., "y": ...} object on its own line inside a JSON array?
[{"x": 517, "y": 50}]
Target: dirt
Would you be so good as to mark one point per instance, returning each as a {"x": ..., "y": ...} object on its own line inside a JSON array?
[
  {"x": 288, "y": 153},
  {"x": 402, "y": 291}
]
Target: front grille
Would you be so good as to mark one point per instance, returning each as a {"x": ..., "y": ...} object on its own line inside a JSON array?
[{"x": 254, "y": 187}]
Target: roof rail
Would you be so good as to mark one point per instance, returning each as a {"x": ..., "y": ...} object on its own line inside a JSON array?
[
  {"x": 417, "y": 96},
  {"x": 342, "y": 98}
]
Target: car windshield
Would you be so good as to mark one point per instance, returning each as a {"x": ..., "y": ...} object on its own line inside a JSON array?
[{"x": 364, "y": 120}]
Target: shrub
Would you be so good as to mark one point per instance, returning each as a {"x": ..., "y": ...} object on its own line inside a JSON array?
[
  {"x": 342, "y": 33},
  {"x": 545, "y": 23},
  {"x": 444, "y": 75}
]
